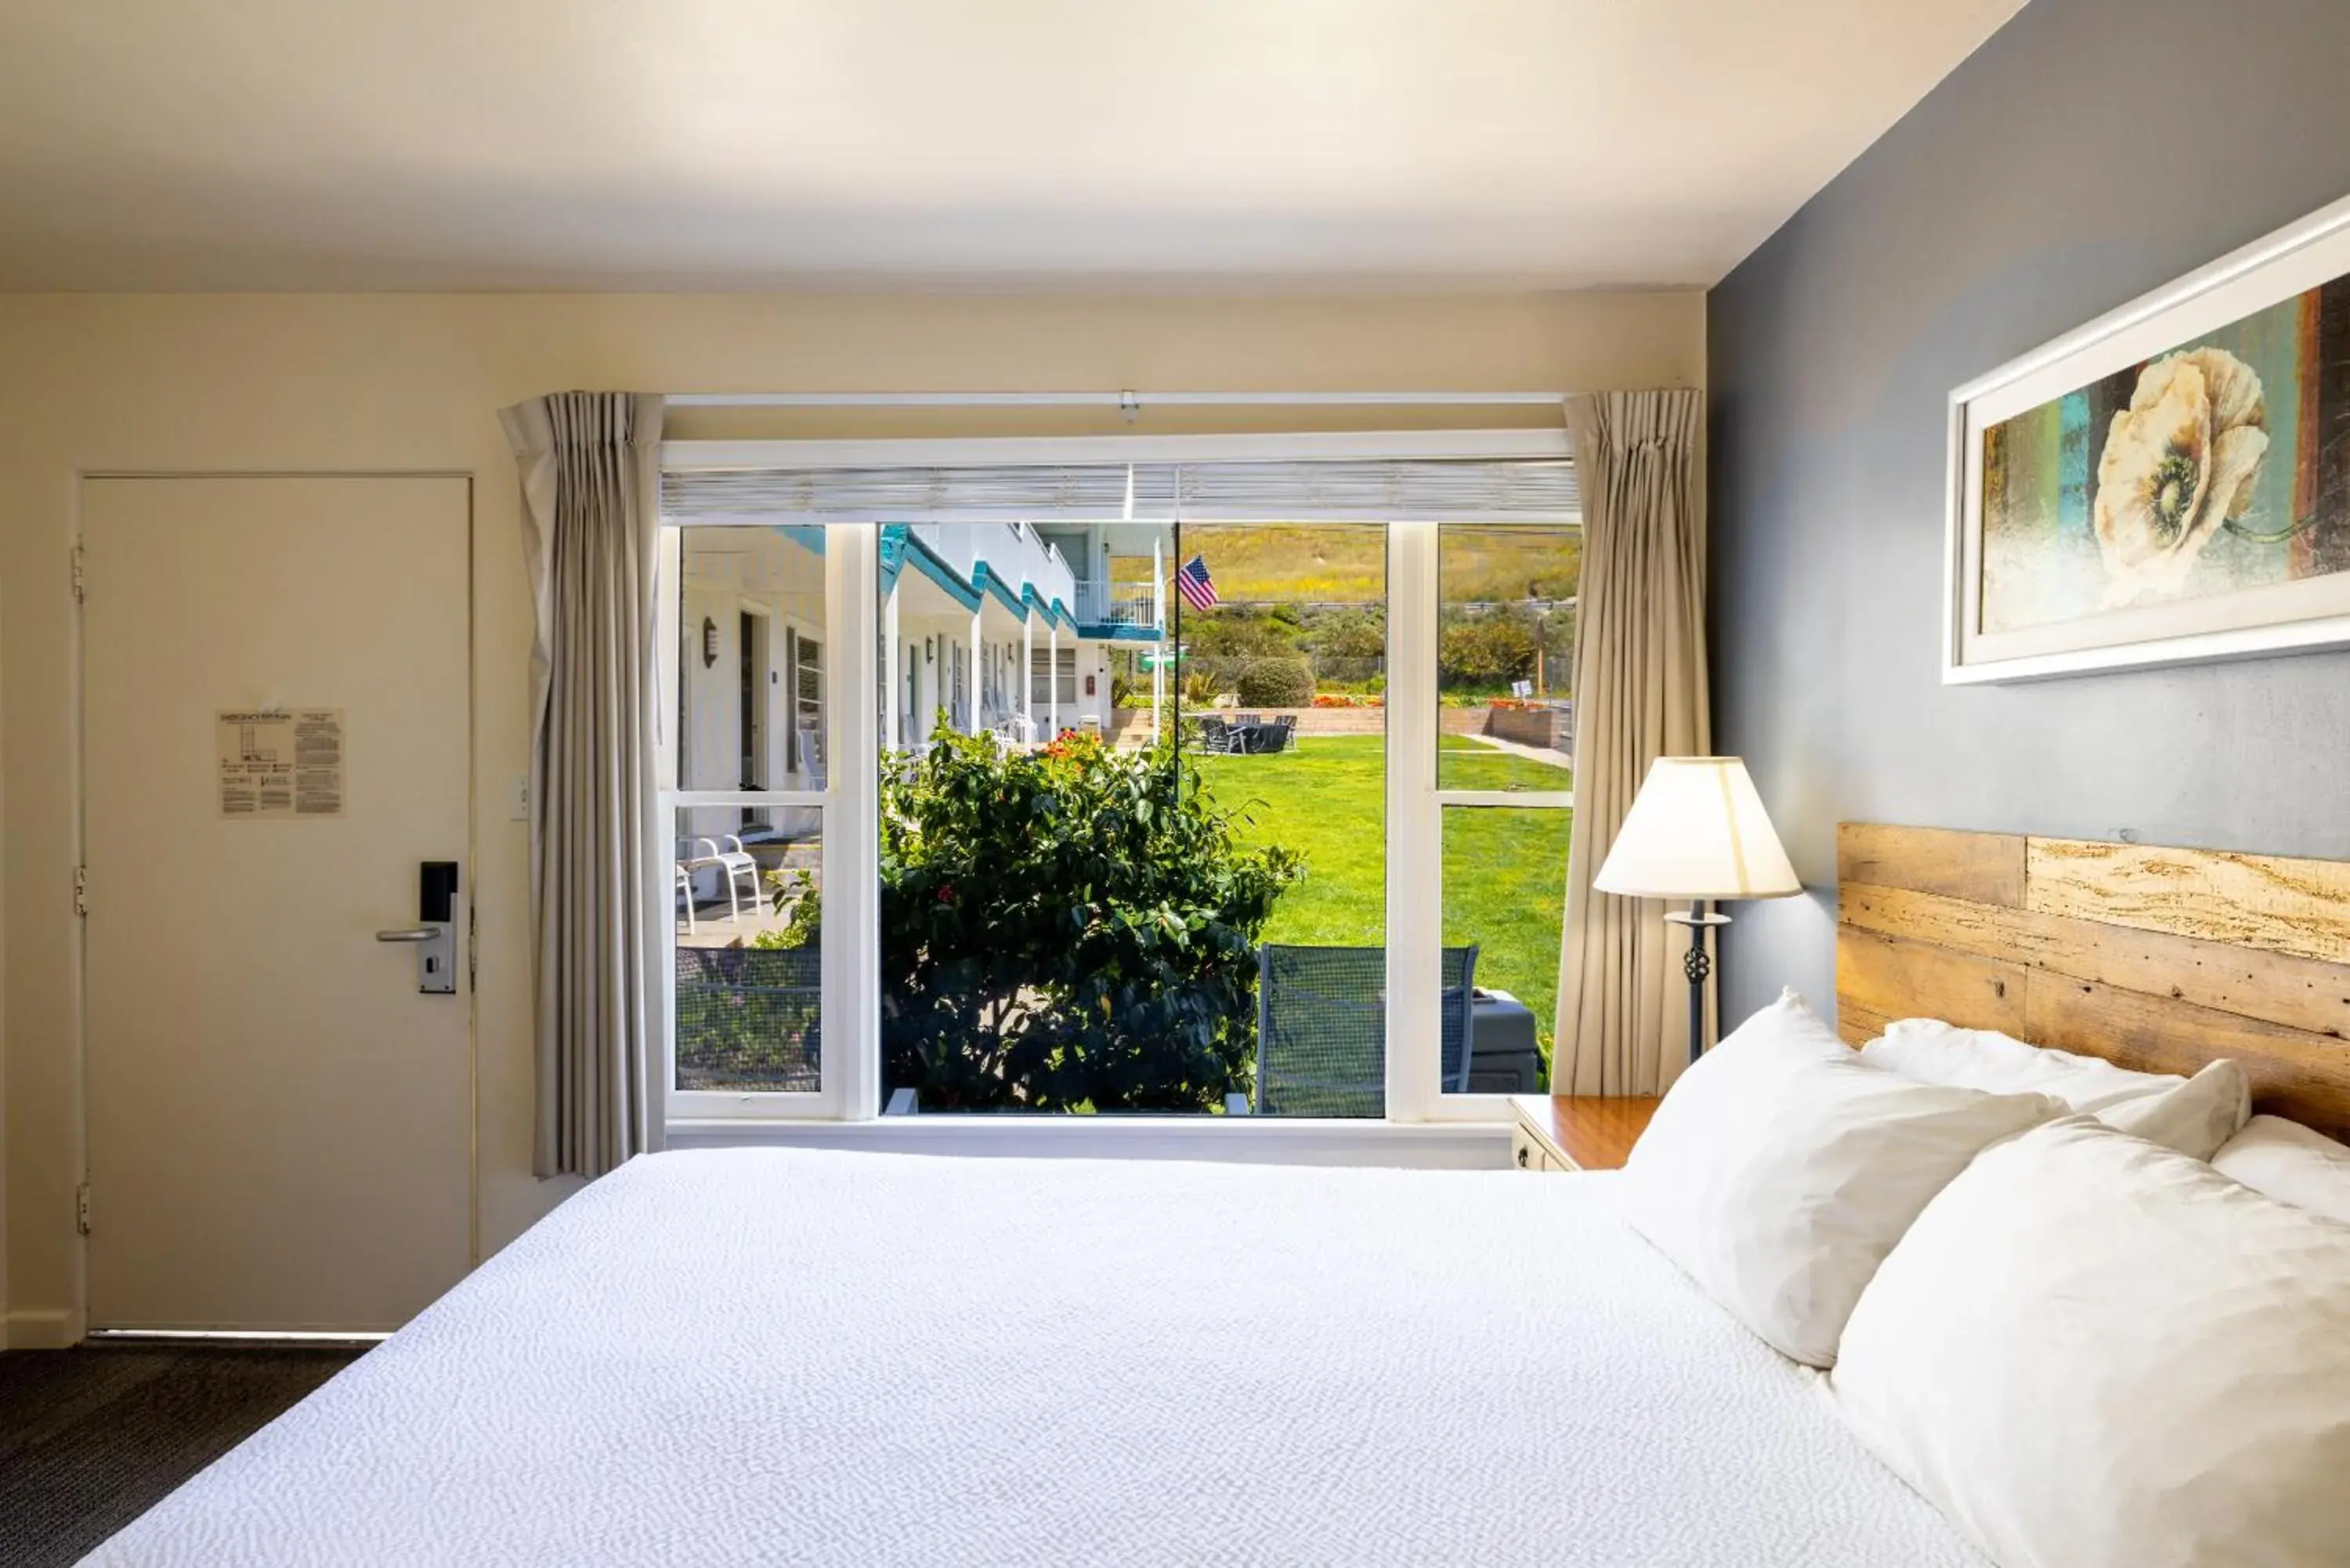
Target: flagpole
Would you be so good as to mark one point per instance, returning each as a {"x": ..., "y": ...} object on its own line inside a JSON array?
[{"x": 1176, "y": 651}]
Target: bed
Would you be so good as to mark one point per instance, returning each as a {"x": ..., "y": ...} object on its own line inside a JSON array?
[
  {"x": 782, "y": 1356},
  {"x": 766, "y": 1356}
]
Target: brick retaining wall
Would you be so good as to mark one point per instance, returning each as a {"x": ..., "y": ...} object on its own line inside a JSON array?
[{"x": 1551, "y": 728}]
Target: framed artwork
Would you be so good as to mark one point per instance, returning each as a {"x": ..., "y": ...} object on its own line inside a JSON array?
[{"x": 2169, "y": 484}]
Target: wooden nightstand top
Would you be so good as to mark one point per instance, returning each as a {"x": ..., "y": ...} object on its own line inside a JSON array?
[{"x": 1586, "y": 1132}]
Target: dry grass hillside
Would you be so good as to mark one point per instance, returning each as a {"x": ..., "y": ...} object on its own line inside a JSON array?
[{"x": 1346, "y": 563}]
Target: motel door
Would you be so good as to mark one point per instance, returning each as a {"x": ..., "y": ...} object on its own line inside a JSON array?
[{"x": 275, "y": 754}]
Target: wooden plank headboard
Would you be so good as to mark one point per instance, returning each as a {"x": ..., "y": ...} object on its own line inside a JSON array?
[{"x": 2159, "y": 960}]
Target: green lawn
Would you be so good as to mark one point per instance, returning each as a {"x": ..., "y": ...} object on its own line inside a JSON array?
[{"x": 1504, "y": 867}]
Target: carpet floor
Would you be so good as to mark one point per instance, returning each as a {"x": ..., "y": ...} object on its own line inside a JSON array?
[{"x": 90, "y": 1438}]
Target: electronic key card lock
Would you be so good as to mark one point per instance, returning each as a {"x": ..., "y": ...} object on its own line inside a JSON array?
[{"x": 435, "y": 931}]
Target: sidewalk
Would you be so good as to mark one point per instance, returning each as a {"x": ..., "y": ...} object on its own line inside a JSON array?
[{"x": 1542, "y": 755}]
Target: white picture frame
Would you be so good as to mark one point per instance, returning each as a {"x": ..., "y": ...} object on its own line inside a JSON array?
[{"x": 2301, "y": 616}]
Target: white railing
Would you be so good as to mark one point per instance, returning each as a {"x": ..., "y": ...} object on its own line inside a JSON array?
[{"x": 1101, "y": 603}]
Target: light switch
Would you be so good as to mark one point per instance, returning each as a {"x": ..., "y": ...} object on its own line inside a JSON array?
[{"x": 519, "y": 799}]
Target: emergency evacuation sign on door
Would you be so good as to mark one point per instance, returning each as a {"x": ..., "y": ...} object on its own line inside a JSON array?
[{"x": 280, "y": 762}]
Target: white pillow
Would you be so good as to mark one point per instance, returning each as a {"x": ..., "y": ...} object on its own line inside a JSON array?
[
  {"x": 1781, "y": 1169},
  {"x": 2093, "y": 1352},
  {"x": 2194, "y": 1118},
  {"x": 1933, "y": 1052},
  {"x": 2290, "y": 1164}
]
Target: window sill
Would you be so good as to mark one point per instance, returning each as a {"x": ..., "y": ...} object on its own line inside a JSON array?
[{"x": 1253, "y": 1140}]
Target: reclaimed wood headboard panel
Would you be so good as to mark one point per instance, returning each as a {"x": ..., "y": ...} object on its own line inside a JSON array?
[{"x": 2159, "y": 960}]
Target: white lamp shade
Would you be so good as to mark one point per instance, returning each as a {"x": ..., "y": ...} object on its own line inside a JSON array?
[{"x": 1697, "y": 830}]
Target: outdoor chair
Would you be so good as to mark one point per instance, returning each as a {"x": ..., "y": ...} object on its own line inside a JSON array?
[
  {"x": 1220, "y": 738},
  {"x": 737, "y": 869},
  {"x": 1321, "y": 1033},
  {"x": 1276, "y": 737}
]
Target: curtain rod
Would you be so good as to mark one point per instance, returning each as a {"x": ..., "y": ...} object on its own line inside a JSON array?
[{"x": 1129, "y": 402}]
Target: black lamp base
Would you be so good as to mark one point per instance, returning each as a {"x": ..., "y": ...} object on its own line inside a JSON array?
[{"x": 1697, "y": 963}]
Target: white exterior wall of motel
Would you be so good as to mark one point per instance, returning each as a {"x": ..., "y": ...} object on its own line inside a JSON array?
[
  {"x": 407, "y": 382},
  {"x": 1015, "y": 555},
  {"x": 762, "y": 574}
]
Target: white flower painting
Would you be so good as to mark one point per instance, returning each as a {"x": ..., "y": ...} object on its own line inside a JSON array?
[
  {"x": 2198, "y": 473},
  {"x": 2169, "y": 484},
  {"x": 2178, "y": 462}
]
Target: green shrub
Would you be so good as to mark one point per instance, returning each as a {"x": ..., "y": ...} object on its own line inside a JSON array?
[
  {"x": 1069, "y": 928},
  {"x": 1489, "y": 649},
  {"x": 804, "y": 926},
  {"x": 1229, "y": 631},
  {"x": 1275, "y": 683},
  {"x": 1352, "y": 634}
]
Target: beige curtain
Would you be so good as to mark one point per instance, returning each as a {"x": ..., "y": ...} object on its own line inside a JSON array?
[
  {"x": 590, "y": 481},
  {"x": 1639, "y": 694}
]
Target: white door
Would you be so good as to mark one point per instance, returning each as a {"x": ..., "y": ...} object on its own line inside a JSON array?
[{"x": 280, "y": 1122}]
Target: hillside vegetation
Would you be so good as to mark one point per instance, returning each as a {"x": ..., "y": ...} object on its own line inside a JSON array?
[{"x": 1346, "y": 563}]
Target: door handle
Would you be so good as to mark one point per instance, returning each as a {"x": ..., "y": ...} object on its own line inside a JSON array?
[{"x": 434, "y": 935}]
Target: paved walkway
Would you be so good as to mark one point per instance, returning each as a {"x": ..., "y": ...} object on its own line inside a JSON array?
[{"x": 1542, "y": 755}]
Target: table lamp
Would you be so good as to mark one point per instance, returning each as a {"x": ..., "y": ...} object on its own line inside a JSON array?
[{"x": 1697, "y": 831}]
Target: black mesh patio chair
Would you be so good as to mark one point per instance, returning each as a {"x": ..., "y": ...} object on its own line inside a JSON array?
[
  {"x": 1322, "y": 1029},
  {"x": 1458, "y": 1019},
  {"x": 1277, "y": 735},
  {"x": 1218, "y": 737}
]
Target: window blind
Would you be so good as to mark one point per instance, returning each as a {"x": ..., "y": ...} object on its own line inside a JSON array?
[{"x": 1425, "y": 489}]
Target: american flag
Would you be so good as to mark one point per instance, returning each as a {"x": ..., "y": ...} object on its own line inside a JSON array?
[{"x": 1191, "y": 582}]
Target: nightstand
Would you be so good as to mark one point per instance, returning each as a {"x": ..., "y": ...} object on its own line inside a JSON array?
[{"x": 1577, "y": 1132}]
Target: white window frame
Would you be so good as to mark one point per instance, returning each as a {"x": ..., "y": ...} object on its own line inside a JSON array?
[
  {"x": 1415, "y": 834},
  {"x": 801, "y": 643},
  {"x": 1046, "y": 664},
  {"x": 848, "y": 1062},
  {"x": 850, "y": 1054}
]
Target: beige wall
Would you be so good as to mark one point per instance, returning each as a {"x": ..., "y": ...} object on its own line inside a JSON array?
[{"x": 324, "y": 382}]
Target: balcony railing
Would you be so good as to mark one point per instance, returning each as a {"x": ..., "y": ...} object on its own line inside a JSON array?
[{"x": 1101, "y": 603}]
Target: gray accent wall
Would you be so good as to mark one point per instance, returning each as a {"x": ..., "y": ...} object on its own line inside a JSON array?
[{"x": 2090, "y": 151}]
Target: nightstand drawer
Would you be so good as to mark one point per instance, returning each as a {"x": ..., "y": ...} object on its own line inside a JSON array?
[{"x": 1575, "y": 1133}]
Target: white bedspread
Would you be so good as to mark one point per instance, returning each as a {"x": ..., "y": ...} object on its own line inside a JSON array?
[{"x": 781, "y": 1356}]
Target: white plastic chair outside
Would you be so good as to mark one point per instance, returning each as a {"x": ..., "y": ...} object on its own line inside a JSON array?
[{"x": 736, "y": 867}]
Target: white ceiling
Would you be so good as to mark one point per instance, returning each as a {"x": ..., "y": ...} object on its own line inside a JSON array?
[{"x": 315, "y": 144}]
